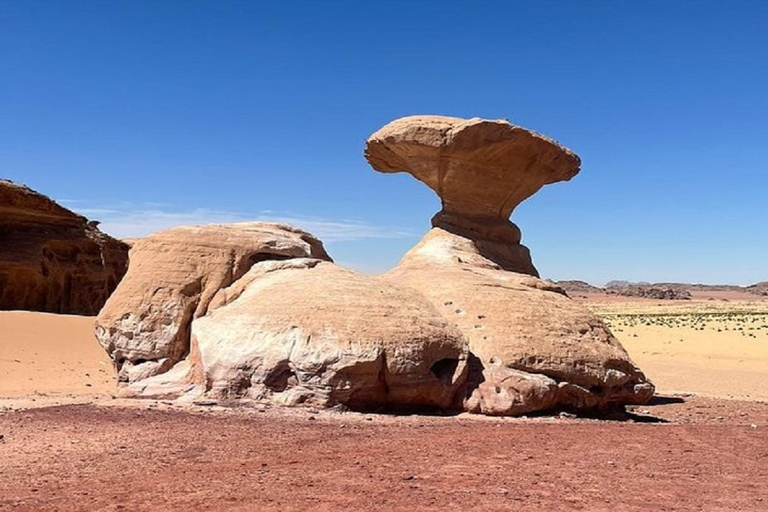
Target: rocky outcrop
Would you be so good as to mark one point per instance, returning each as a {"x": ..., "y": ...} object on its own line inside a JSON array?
[
  {"x": 531, "y": 347},
  {"x": 666, "y": 291},
  {"x": 258, "y": 311},
  {"x": 578, "y": 288},
  {"x": 51, "y": 259},
  {"x": 172, "y": 278},
  {"x": 759, "y": 288},
  {"x": 650, "y": 292},
  {"x": 320, "y": 334}
]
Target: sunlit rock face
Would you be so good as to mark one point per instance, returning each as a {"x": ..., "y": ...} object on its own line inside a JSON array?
[{"x": 481, "y": 170}]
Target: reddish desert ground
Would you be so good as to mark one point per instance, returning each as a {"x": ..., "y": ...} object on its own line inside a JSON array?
[{"x": 702, "y": 444}]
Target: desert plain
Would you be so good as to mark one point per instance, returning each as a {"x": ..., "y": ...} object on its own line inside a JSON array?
[{"x": 701, "y": 444}]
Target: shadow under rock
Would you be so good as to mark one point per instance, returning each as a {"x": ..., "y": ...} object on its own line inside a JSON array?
[{"x": 665, "y": 400}]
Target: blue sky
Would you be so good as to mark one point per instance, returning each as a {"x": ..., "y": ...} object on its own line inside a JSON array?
[{"x": 145, "y": 114}]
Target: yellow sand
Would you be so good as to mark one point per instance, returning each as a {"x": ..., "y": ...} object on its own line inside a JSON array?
[
  {"x": 717, "y": 349},
  {"x": 45, "y": 354}
]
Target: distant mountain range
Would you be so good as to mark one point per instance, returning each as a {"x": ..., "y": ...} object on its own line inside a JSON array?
[{"x": 672, "y": 291}]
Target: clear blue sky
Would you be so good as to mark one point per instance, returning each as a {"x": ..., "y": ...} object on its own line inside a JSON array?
[{"x": 145, "y": 114}]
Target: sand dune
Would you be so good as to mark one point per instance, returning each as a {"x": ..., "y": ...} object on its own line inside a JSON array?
[{"x": 47, "y": 354}]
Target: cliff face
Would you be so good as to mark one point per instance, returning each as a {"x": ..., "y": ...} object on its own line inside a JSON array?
[{"x": 52, "y": 259}]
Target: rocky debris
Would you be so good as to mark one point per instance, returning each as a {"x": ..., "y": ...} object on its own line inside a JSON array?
[
  {"x": 531, "y": 347},
  {"x": 258, "y": 311},
  {"x": 650, "y": 292},
  {"x": 480, "y": 169},
  {"x": 759, "y": 288},
  {"x": 52, "y": 259}
]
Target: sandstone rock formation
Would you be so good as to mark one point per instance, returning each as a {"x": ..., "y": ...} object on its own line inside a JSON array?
[
  {"x": 258, "y": 311},
  {"x": 52, "y": 259},
  {"x": 173, "y": 276},
  {"x": 535, "y": 348},
  {"x": 531, "y": 347}
]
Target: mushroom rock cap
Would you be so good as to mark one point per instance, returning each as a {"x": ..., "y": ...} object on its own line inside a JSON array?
[{"x": 481, "y": 169}]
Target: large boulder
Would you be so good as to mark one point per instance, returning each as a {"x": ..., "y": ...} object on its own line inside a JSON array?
[
  {"x": 52, "y": 259},
  {"x": 258, "y": 311},
  {"x": 173, "y": 275},
  {"x": 309, "y": 331},
  {"x": 531, "y": 347}
]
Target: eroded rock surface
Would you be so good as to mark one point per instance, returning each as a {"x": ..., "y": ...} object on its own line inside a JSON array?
[
  {"x": 535, "y": 348},
  {"x": 258, "y": 311},
  {"x": 309, "y": 331},
  {"x": 173, "y": 275},
  {"x": 52, "y": 259}
]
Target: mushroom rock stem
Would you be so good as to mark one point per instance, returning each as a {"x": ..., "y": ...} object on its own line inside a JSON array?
[
  {"x": 496, "y": 239},
  {"x": 492, "y": 229}
]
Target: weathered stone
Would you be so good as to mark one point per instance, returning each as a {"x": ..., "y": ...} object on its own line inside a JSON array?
[
  {"x": 518, "y": 322},
  {"x": 258, "y": 312},
  {"x": 173, "y": 276},
  {"x": 52, "y": 259},
  {"x": 308, "y": 331}
]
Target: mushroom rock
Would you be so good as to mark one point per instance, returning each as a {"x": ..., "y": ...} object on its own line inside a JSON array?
[
  {"x": 258, "y": 311},
  {"x": 531, "y": 347},
  {"x": 52, "y": 259},
  {"x": 480, "y": 169}
]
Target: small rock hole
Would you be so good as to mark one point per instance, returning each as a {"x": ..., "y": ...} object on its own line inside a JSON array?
[
  {"x": 444, "y": 370},
  {"x": 281, "y": 378}
]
